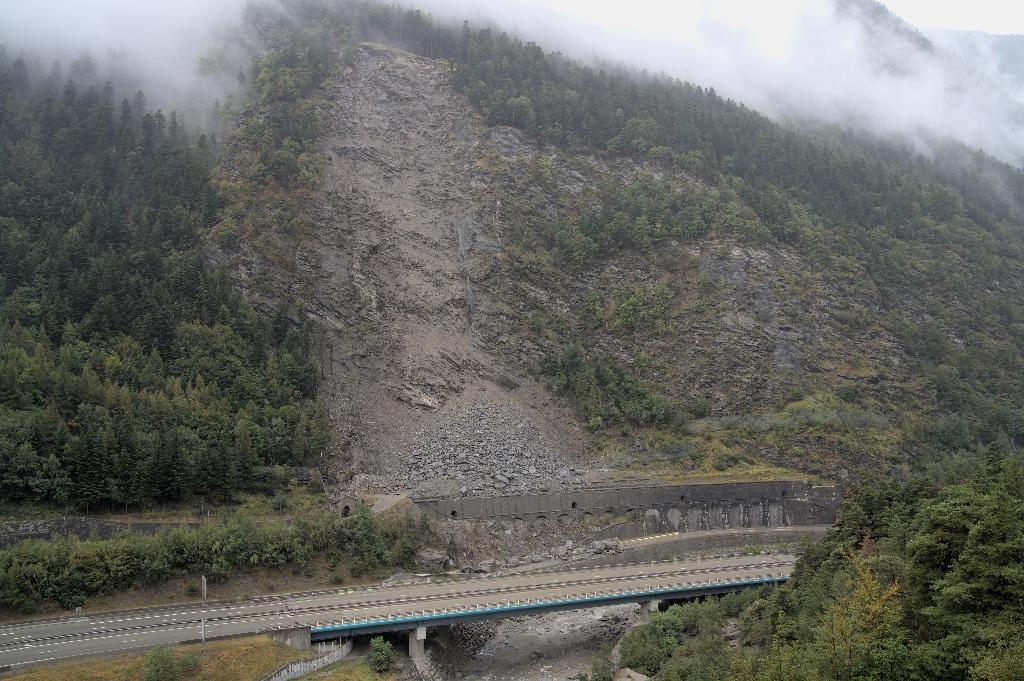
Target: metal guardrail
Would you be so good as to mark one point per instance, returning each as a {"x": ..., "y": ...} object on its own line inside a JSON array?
[
  {"x": 459, "y": 577},
  {"x": 462, "y": 577},
  {"x": 436, "y": 578},
  {"x": 424, "y": 616}
]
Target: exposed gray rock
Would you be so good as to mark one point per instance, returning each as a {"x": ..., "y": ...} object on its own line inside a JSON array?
[
  {"x": 492, "y": 445},
  {"x": 432, "y": 560}
]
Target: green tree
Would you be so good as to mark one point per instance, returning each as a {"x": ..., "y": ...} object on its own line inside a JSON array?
[
  {"x": 1000, "y": 663},
  {"x": 381, "y": 655},
  {"x": 860, "y": 636}
]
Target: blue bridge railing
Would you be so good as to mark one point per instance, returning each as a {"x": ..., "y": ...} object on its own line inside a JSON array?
[{"x": 356, "y": 626}]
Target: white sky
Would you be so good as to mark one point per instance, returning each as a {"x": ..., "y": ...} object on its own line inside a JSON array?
[{"x": 990, "y": 16}]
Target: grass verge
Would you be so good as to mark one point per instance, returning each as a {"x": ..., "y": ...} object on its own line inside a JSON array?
[
  {"x": 348, "y": 670},
  {"x": 238, "y": 659}
]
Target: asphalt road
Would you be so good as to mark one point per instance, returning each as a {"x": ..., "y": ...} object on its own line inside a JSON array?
[
  {"x": 47, "y": 640},
  {"x": 735, "y": 535}
]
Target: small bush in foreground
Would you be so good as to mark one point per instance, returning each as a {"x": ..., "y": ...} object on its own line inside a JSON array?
[{"x": 381, "y": 656}]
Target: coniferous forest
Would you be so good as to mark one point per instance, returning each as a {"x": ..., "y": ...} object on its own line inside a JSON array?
[{"x": 130, "y": 372}]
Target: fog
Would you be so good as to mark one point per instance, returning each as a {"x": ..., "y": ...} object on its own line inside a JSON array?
[
  {"x": 833, "y": 60},
  {"x": 788, "y": 58},
  {"x": 155, "y": 46}
]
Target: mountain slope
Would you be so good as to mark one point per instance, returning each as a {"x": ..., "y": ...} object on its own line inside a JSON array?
[
  {"x": 711, "y": 293},
  {"x": 420, "y": 391},
  {"x": 130, "y": 372},
  {"x": 502, "y": 271},
  {"x": 711, "y": 353},
  {"x": 995, "y": 54}
]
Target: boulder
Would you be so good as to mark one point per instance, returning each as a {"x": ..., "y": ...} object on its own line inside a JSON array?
[{"x": 432, "y": 560}]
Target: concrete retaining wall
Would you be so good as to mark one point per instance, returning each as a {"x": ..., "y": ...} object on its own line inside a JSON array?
[
  {"x": 295, "y": 637},
  {"x": 662, "y": 508}
]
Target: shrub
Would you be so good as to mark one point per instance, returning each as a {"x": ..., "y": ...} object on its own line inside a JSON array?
[
  {"x": 700, "y": 408},
  {"x": 66, "y": 572},
  {"x": 188, "y": 664},
  {"x": 601, "y": 668},
  {"x": 607, "y": 392},
  {"x": 381, "y": 656},
  {"x": 160, "y": 665},
  {"x": 649, "y": 646}
]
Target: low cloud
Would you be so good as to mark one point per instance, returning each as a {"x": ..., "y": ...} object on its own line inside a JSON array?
[
  {"x": 844, "y": 61},
  {"x": 848, "y": 62},
  {"x": 153, "y": 46}
]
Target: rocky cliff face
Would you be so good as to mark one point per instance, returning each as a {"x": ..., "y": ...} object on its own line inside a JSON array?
[
  {"x": 430, "y": 328},
  {"x": 397, "y": 278}
]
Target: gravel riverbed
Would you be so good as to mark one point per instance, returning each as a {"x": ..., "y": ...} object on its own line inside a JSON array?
[{"x": 551, "y": 647}]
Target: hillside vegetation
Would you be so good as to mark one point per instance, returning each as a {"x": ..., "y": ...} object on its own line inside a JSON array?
[
  {"x": 917, "y": 581},
  {"x": 822, "y": 294},
  {"x": 130, "y": 371},
  {"x": 66, "y": 573}
]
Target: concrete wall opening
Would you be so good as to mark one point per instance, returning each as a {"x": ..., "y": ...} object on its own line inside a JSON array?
[
  {"x": 455, "y": 514},
  {"x": 346, "y": 510},
  {"x": 574, "y": 504}
]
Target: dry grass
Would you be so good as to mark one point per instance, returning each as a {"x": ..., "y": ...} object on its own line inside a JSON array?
[
  {"x": 742, "y": 472},
  {"x": 672, "y": 473},
  {"x": 240, "y": 659},
  {"x": 348, "y": 670}
]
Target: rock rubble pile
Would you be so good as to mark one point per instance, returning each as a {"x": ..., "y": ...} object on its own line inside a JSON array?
[
  {"x": 485, "y": 449},
  {"x": 566, "y": 551}
]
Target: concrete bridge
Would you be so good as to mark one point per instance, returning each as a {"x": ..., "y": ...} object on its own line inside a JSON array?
[
  {"x": 649, "y": 584},
  {"x": 414, "y": 606}
]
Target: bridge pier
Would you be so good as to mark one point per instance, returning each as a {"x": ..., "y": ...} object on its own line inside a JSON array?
[
  {"x": 416, "y": 638},
  {"x": 648, "y": 607}
]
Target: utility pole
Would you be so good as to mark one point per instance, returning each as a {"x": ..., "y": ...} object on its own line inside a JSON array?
[{"x": 202, "y": 580}]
